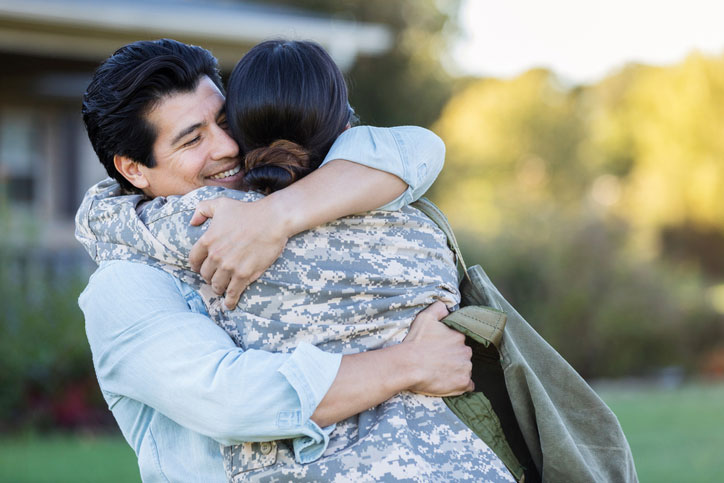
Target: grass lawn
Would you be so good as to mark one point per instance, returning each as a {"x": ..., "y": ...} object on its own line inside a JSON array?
[
  {"x": 675, "y": 435},
  {"x": 67, "y": 458}
]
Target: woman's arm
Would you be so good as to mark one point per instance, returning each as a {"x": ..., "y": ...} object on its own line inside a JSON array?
[
  {"x": 390, "y": 166},
  {"x": 244, "y": 239}
]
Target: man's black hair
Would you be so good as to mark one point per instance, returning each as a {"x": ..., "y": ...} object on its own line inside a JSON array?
[{"x": 128, "y": 85}]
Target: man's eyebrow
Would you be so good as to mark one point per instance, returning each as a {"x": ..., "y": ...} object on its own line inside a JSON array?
[{"x": 186, "y": 132}]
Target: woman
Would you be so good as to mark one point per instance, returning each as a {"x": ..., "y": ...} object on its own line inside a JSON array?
[{"x": 287, "y": 103}]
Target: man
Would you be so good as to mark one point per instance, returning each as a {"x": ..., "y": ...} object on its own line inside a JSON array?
[{"x": 175, "y": 381}]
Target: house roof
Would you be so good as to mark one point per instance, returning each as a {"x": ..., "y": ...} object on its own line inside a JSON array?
[{"x": 84, "y": 29}]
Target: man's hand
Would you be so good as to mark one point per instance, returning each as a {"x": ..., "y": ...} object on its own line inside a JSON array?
[
  {"x": 242, "y": 241},
  {"x": 442, "y": 357},
  {"x": 432, "y": 360}
]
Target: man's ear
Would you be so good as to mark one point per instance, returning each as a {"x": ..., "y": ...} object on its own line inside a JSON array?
[{"x": 130, "y": 170}]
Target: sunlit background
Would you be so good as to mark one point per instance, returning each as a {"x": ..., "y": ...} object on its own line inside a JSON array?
[{"x": 584, "y": 172}]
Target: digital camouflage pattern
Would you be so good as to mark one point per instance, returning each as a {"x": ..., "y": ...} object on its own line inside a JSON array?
[{"x": 349, "y": 286}]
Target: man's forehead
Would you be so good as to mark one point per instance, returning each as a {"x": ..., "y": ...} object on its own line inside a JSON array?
[{"x": 178, "y": 110}]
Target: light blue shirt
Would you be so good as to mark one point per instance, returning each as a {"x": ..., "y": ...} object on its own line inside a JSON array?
[
  {"x": 176, "y": 383},
  {"x": 413, "y": 154}
]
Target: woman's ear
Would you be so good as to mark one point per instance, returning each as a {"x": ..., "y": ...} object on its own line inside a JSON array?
[{"x": 129, "y": 169}]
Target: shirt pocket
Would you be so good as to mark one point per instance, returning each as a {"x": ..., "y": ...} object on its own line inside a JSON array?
[{"x": 245, "y": 457}]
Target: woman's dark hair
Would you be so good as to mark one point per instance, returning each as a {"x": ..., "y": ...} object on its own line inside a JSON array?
[
  {"x": 286, "y": 104},
  {"x": 128, "y": 85}
]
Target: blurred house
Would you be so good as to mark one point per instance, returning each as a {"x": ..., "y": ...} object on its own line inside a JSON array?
[{"x": 48, "y": 51}]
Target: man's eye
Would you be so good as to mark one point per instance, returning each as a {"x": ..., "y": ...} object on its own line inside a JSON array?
[
  {"x": 192, "y": 142},
  {"x": 224, "y": 124}
]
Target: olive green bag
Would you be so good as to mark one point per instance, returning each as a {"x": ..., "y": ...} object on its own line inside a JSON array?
[{"x": 530, "y": 406}]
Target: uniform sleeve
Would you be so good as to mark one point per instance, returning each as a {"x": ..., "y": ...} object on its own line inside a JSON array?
[
  {"x": 149, "y": 346},
  {"x": 413, "y": 154}
]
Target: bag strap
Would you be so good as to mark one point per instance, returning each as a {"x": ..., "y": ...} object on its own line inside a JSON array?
[
  {"x": 434, "y": 213},
  {"x": 486, "y": 326},
  {"x": 483, "y": 324}
]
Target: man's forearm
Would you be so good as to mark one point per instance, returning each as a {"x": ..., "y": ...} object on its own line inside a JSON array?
[
  {"x": 365, "y": 380},
  {"x": 433, "y": 359},
  {"x": 150, "y": 347}
]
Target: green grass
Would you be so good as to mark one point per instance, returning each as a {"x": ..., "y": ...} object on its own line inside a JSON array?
[
  {"x": 67, "y": 458},
  {"x": 675, "y": 435}
]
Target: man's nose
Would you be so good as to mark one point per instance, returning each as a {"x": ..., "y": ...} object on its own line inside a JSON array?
[{"x": 224, "y": 145}]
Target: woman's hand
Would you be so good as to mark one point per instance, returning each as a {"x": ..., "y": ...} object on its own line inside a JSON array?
[{"x": 242, "y": 241}]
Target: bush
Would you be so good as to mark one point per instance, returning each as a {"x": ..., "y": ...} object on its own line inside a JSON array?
[
  {"x": 46, "y": 370},
  {"x": 608, "y": 313}
]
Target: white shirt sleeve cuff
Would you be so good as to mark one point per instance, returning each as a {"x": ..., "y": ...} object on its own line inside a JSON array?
[{"x": 311, "y": 448}]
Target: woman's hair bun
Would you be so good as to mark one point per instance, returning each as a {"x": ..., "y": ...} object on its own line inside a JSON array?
[{"x": 271, "y": 168}]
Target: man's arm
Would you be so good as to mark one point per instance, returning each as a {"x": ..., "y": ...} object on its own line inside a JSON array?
[
  {"x": 366, "y": 168},
  {"x": 429, "y": 348},
  {"x": 149, "y": 346}
]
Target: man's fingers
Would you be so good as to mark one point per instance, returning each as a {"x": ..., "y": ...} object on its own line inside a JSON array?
[
  {"x": 208, "y": 269},
  {"x": 236, "y": 288},
  {"x": 231, "y": 302},
  {"x": 220, "y": 280},
  {"x": 198, "y": 254},
  {"x": 233, "y": 294},
  {"x": 469, "y": 387},
  {"x": 204, "y": 211},
  {"x": 439, "y": 310}
]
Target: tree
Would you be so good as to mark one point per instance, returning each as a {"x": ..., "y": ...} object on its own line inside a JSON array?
[
  {"x": 511, "y": 148},
  {"x": 564, "y": 194},
  {"x": 661, "y": 129}
]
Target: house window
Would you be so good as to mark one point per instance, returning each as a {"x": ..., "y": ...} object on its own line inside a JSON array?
[{"x": 20, "y": 155}]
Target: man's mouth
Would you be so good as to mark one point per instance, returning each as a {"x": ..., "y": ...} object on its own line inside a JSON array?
[{"x": 227, "y": 173}]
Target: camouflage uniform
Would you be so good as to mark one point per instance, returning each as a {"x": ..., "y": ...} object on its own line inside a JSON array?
[{"x": 349, "y": 286}]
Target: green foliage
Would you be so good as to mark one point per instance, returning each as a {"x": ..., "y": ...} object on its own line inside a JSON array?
[
  {"x": 510, "y": 146},
  {"x": 598, "y": 208},
  {"x": 43, "y": 351},
  {"x": 667, "y": 122},
  {"x": 607, "y": 313},
  {"x": 644, "y": 144}
]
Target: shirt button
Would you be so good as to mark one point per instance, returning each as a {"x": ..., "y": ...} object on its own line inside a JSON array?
[{"x": 266, "y": 447}]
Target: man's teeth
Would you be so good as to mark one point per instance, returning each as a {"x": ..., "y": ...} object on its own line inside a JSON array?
[{"x": 226, "y": 174}]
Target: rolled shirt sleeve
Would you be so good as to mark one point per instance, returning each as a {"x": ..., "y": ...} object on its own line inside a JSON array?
[
  {"x": 413, "y": 154},
  {"x": 149, "y": 346}
]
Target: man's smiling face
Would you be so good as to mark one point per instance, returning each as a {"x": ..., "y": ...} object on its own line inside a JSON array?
[{"x": 193, "y": 147}]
